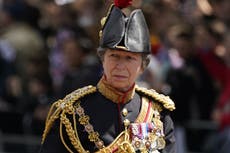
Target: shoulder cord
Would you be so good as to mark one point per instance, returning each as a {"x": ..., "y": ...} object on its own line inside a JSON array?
[
  {"x": 64, "y": 107},
  {"x": 73, "y": 136},
  {"x": 50, "y": 119},
  {"x": 69, "y": 107}
]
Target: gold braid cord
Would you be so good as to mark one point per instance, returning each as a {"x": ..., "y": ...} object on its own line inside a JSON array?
[
  {"x": 73, "y": 136},
  {"x": 164, "y": 100},
  {"x": 60, "y": 109},
  {"x": 70, "y": 106},
  {"x": 51, "y": 117}
]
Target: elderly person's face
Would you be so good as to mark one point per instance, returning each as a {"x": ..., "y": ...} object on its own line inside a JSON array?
[{"x": 122, "y": 68}]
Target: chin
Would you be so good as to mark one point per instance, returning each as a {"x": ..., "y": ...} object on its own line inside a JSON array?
[{"x": 121, "y": 87}]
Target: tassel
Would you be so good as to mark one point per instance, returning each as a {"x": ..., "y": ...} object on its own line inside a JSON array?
[{"x": 122, "y": 3}]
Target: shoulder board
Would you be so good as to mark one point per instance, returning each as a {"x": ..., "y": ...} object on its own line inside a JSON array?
[
  {"x": 76, "y": 95},
  {"x": 65, "y": 105},
  {"x": 164, "y": 100}
]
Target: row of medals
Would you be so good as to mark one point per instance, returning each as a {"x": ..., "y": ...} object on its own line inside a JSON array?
[{"x": 146, "y": 137}]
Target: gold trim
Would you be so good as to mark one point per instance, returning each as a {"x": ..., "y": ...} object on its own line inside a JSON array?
[
  {"x": 113, "y": 94},
  {"x": 109, "y": 149},
  {"x": 122, "y": 48},
  {"x": 62, "y": 138},
  {"x": 59, "y": 109},
  {"x": 143, "y": 111},
  {"x": 104, "y": 19},
  {"x": 164, "y": 100},
  {"x": 51, "y": 117},
  {"x": 93, "y": 136},
  {"x": 75, "y": 141}
]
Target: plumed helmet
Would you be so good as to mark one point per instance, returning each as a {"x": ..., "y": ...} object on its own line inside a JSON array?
[{"x": 125, "y": 33}]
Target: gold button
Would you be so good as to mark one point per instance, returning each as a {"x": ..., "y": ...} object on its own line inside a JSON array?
[
  {"x": 100, "y": 144},
  {"x": 126, "y": 122},
  {"x": 124, "y": 112}
]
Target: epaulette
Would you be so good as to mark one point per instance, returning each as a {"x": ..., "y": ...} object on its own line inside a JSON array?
[
  {"x": 164, "y": 100},
  {"x": 74, "y": 96},
  {"x": 66, "y": 104}
]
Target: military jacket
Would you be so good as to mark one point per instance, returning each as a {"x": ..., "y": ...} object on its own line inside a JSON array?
[{"x": 87, "y": 120}]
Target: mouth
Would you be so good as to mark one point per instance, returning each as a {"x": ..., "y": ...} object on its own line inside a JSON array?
[{"x": 120, "y": 77}]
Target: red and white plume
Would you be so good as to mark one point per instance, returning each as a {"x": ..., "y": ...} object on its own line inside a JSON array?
[{"x": 122, "y": 3}]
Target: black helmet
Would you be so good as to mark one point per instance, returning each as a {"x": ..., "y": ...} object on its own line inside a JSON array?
[{"x": 125, "y": 33}]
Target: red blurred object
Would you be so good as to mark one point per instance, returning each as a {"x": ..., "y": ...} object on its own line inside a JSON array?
[
  {"x": 122, "y": 3},
  {"x": 224, "y": 103}
]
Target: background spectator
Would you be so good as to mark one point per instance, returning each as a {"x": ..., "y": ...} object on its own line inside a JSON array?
[{"x": 48, "y": 48}]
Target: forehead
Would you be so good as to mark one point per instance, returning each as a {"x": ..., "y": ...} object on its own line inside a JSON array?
[{"x": 121, "y": 52}]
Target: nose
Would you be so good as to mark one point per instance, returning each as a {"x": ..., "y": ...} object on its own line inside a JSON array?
[{"x": 120, "y": 64}]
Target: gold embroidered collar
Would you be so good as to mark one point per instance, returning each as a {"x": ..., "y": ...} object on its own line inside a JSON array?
[{"x": 113, "y": 94}]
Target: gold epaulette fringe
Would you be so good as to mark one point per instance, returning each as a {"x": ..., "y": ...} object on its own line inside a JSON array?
[
  {"x": 164, "y": 100},
  {"x": 66, "y": 105}
]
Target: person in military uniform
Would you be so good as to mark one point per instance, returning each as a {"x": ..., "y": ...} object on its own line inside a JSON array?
[{"x": 116, "y": 116}]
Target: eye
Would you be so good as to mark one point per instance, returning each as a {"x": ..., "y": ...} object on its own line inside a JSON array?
[
  {"x": 114, "y": 55},
  {"x": 130, "y": 58}
]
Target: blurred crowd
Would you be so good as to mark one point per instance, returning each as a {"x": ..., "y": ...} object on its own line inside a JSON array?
[{"x": 48, "y": 49}]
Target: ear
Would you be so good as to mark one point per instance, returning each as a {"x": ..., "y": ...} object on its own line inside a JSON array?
[
  {"x": 145, "y": 62},
  {"x": 103, "y": 64},
  {"x": 141, "y": 69}
]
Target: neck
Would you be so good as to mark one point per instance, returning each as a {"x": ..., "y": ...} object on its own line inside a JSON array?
[{"x": 115, "y": 95}]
